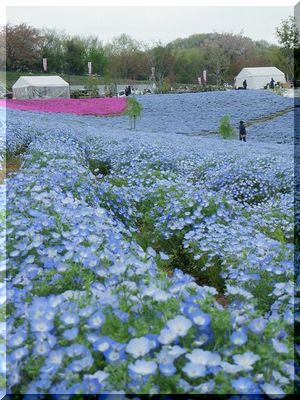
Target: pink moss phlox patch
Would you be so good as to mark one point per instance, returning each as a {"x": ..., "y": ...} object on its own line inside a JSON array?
[{"x": 102, "y": 106}]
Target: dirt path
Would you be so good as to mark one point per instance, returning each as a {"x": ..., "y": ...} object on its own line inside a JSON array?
[
  {"x": 248, "y": 123},
  {"x": 11, "y": 165}
]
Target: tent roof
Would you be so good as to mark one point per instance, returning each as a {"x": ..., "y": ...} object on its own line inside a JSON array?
[
  {"x": 261, "y": 71},
  {"x": 24, "y": 81}
]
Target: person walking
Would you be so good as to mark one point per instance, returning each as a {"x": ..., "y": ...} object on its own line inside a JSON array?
[
  {"x": 245, "y": 84},
  {"x": 243, "y": 132},
  {"x": 272, "y": 84}
]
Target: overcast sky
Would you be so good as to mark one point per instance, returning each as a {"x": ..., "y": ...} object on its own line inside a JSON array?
[{"x": 154, "y": 23}]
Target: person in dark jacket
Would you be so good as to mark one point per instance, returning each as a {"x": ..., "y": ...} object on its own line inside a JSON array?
[
  {"x": 245, "y": 84},
  {"x": 243, "y": 132},
  {"x": 272, "y": 84}
]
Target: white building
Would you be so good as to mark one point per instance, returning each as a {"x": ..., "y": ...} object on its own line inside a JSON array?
[
  {"x": 36, "y": 87},
  {"x": 258, "y": 77}
]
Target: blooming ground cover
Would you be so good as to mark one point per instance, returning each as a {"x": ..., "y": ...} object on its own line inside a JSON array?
[
  {"x": 146, "y": 261},
  {"x": 105, "y": 106}
]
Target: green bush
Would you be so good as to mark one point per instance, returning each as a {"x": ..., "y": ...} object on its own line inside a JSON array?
[
  {"x": 99, "y": 166},
  {"x": 225, "y": 128},
  {"x": 165, "y": 87},
  {"x": 92, "y": 85}
]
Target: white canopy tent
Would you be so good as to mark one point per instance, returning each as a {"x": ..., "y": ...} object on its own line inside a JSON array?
[
  {"x": 259, "y": 77},
  {"x": 40, "y": 87}
]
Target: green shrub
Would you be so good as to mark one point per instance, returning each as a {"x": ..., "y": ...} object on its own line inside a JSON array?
[
  {"x": 165, "y": 87},
  {"x": 99, "y": 166},
  {"x": 225, "y": 128},
  {"x": 92, "y": 85}
]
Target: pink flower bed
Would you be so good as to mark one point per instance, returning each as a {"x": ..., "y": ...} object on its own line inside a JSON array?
[{"x": 102, "y": 106}]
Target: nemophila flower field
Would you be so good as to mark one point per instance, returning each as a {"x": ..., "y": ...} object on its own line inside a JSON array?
[{"x": 147, "y": 261}]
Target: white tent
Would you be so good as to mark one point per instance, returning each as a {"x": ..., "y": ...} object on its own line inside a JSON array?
[
  {"x": 259, "y": 77},
  {"x": 35, "y": 87}
]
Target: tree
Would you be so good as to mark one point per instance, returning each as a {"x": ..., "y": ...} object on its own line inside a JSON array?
[
  {"x": 134, "y": 110},
  {"x": 217, "y": 62},
  {"x": 75, "y": 55},
  {"x": 96, "y": 54},
  {"x": 125, "y": 54},
  {"x": 163, "y": 59},
  {"x": 52, "y": 48},
  {"x": 288, "y": 37},
  {"x": 222, "y": 54},
  {"x": 189, "y": 64},
  {"x": 22, "y": 47},
  {"x": 2, "y": 49}
]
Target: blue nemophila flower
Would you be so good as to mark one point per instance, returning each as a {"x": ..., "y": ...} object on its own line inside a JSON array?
[
  {"x": 246, "y": 360},
  {"x": 91, "y": 386},
  {"x": 176, "y": 351},
  {"x": 143, "y": 368},
  {"x": 13, "y": 378},
  {"x": 41, "y": 348},
  {"x": 138, "y": 347},
  {"x": 163, "y": 256},
  {"x": 180, "y": 325},
  {"x": 194, "y": 370},
  {"x": 86, "y": 311},
  {"x": 115, "y": 353},
  {"x": 153, "y": 340},
  {"x": 102, "y": 344},
  {"x": 96, "y": 320},
  {"x": 76, "y": 350},
  {"x": 258, "y": 325},
  {"x": 280, "y": 379},
  {"x": 167, "y": 369},
  {"x": 201, "y": 319},
  {"x": 245, "y": 386},
  {"x": 164, "y": 356},
  {"x": 190, "y": 308},
  {"x": 100, "y": 376},
  {"x": 41, "y": 324},
  {"x": 44, "y": 383},
  {"x": 123, "y": 316},
  {"x": 18, "y": 338},
  {"x": 18, "y": 354},
  {"x": 160, "y": 295},
  {"x": 183, "y": 384},
  {"x": 82, "y": 364},
  {"x": 206, "y": 387},
  {"x": 76, "y": 388},
  {"x": 273, "y": 391},
  {"x": 231, "y": 368},
  {"x": 207, "y": 358},
  {"x": 279, "y": 347},
  {"x": 56, "y": 357},
  {"x": 167, "y": 336},
  {"x": 151, "y": 251},
  {"x": 69, "y": 318},
  {"x": 203, "y": 337},
  {"x": 282, "y": 334},
  {"x": 71, "y": 334},
  {"x": 290, "y": 317},
  {"x": 239, "y": 338}
]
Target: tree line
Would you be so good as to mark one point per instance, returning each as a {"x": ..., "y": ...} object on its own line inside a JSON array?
[{"x": 222, "y": 55}]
